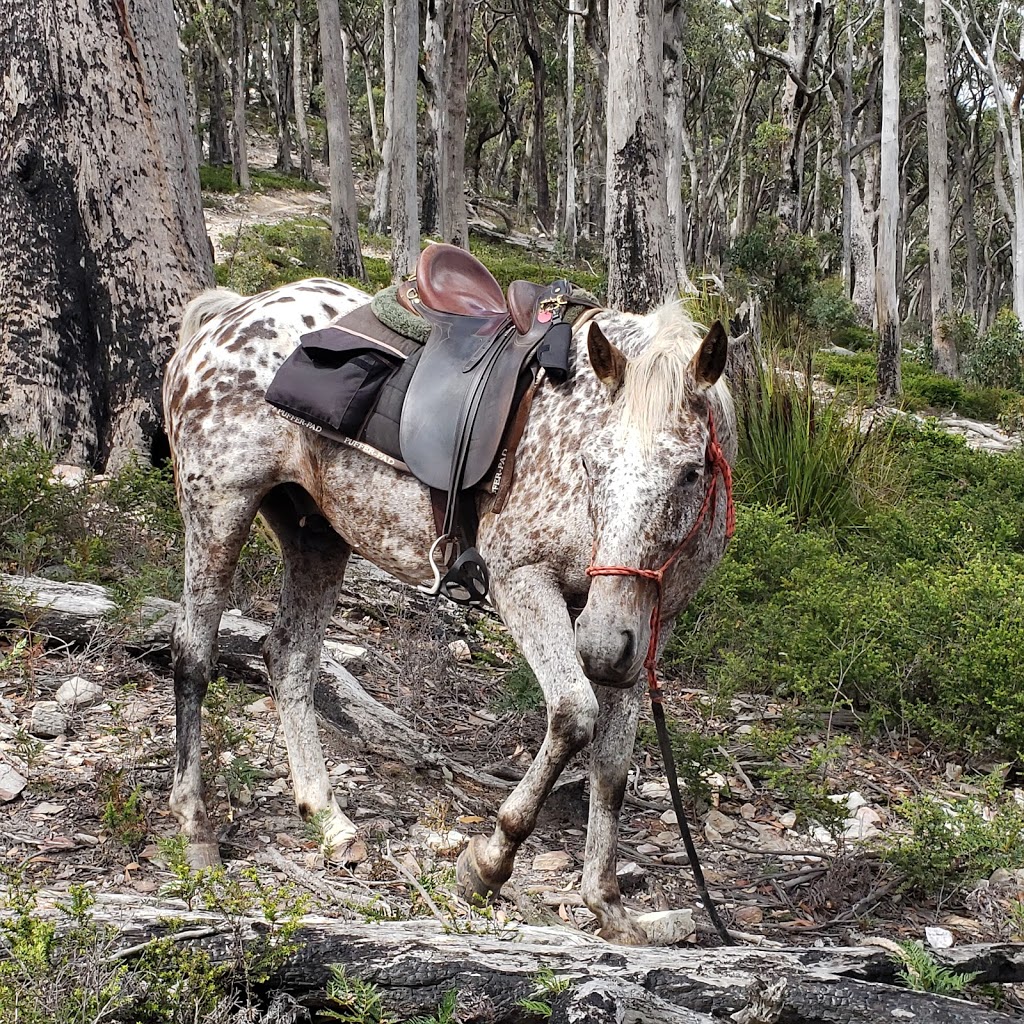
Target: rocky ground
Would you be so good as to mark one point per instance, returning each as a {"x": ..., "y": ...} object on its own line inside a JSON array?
[{"x": 93, "y": 806}]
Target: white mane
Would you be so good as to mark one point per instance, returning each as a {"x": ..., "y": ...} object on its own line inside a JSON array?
[{"x": 658, "y": 381}]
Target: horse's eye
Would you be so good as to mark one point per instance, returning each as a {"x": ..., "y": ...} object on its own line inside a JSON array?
[{"x": 689, "y": 477}]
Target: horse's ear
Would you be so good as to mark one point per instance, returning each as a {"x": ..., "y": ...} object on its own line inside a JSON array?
[
  {"x": 608, "y": 362},
  {"x": 709, "y": 362}
]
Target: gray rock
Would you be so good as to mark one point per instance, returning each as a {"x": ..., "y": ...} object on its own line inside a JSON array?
[
  {"x": 48, "y": 720},
  {"x": 79, "y": 692},
  {"x": 11, "y": 783},
  {"x": 667, "y": 927}
]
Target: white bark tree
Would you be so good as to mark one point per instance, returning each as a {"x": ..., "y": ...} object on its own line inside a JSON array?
[
  {"x": 944, "y": 355},
  {"x": 299, "y": 97},
  {"x": 886, "y": 295},
  {"x": 405, "y": 225},
  {"x": 637, "y": 243},
  {"x": 380, "y": 211},
  {"x": 446, "y": 72},
  {"x": 1003, "y": 63},
  {"x": 570, "y": 230},
  {"x": 102, "y": 239},
  {"x": 347, "y": 255},
  {"x": 674, "y": 122}
]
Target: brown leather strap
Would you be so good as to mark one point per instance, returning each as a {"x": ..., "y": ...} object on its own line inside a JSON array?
[{"x": 504, "y": 477}]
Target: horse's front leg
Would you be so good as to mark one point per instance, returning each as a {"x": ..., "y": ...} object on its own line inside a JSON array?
[
  {"x": 610, "y": 758},
  {"x": 534, "y": 611}
]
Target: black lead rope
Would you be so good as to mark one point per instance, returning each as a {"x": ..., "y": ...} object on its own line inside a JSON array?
[{"x": 684, "y": 829}]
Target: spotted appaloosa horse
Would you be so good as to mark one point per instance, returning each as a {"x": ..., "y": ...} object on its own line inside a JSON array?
[{"x": 613, "y": 469}]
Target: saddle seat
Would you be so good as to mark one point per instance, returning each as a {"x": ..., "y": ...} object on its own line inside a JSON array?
[{"x": 452, "y": 280}]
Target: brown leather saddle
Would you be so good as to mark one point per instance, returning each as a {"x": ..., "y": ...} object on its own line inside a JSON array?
[{"x": 460, "y": 400}]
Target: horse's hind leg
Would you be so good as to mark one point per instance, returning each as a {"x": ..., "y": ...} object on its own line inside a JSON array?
[
  {"x": 535, "y": 613},
  {"x": 610, "y": 757},
  {"x": 215, "y": 531},
  {"x": 314, "y": 566}
]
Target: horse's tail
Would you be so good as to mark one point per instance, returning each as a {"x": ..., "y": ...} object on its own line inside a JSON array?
[{"x": 204, "y": 307}]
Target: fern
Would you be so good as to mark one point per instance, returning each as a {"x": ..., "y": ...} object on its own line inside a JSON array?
[
  {"x": 445, "y": 1012},
  {"x": 921, "y": 973},
  {"x": 535, "y": 1006}
]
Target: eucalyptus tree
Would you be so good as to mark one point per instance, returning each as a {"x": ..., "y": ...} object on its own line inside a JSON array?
[
  {"x": 944, "y": 355},
  {"x": 299, "y": 93},
  {"x": 446, "y": 36},
  {"x": 347, "y": 258},
  {"x": 1000, "y": 56},
  {"x": 405, "y": 227},
  {"x": 101, "y": 230},
  {"x": 887, "y": 297},
  {"x": 639, "y": 251}
]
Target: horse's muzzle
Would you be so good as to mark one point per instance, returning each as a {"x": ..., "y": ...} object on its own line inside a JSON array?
[{"x": 610, "y": 658}]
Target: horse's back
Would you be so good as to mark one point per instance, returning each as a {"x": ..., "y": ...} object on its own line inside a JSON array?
[{"x": 229, "y": 349}]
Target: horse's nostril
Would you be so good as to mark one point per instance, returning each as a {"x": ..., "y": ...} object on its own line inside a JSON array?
[{"x": 629, "y": 648}]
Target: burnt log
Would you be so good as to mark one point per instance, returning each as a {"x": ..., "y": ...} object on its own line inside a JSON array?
[{"x": 414, "y": 964}]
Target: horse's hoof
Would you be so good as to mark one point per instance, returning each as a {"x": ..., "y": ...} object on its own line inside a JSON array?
[
  {"x": 351, "y": 851},
  {"x": 200, "y": 856},
  {"x": 472, "y": 887},
  {"x": 625, "y": 933}
]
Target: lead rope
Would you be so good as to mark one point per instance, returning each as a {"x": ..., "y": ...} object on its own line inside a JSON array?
[{"x": 720, "y": 468}]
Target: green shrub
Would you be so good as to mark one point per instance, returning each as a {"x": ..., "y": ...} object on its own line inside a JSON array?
[
  {"x": 784, "y": 265},
  {"x": 916, "y": 619},
  {"x": 998, "y": 358},
  {"x": 219, "y": 178},
  {"x": 804, "y": 454},
  {"x": 922, "y": 389},
  {"x": 509, "y": 263},
  {"x": 830, "y": 311},
  {"x": 955, "y": 845}
]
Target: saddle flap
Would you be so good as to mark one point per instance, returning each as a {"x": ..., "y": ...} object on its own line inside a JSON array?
[{"x": 459, "y": 400}]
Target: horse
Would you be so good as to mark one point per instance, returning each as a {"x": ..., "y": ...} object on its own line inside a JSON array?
[{"x": 614, "y": 470}]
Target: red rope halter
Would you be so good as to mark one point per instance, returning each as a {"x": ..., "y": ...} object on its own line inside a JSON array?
[{"x": 719, "y": 467}]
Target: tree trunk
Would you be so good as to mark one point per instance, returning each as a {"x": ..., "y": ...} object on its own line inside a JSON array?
[
  {"x": 805, "y": 19},
  {"x": 886, "y": 297},
  {"x": 405, "y": 228},
  {"x": 347, "y": 258},
  {"x": 380, "y": 212},
  {"x": 446, "y": 67},
  {"x": 299, "y": 97},
  {"x": 279, "y": 92},
  {"x": 570, "y": 230},
  {"x": 454, "y": 222},
  {"x": 220, "y": 145},
  {"x": 637, "y": 243},
  {"x": 944, "y": 355},
  {"x": 239, "y": 95},
  {"x": 529, "y": 28},
  {"x": 102, "y": 239},
  {"x": 595, "y": 148},
  {"x": 674, "y": 114}
]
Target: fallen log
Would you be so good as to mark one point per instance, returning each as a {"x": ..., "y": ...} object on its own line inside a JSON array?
[
  {"x": 78, "y": 613},
  {"x": 414, "y": 964}
]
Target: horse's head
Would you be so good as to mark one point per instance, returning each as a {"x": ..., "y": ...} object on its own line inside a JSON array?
[{"x": 649, "y": 471}]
